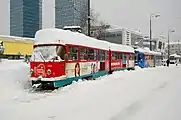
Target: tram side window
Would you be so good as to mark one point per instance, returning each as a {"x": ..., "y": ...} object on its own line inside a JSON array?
[
  {"x": 116, "y": 56},
  {"x": 90, "y": 54},
  {"x": 129, "y": 57},
  {"x": 119, "y": 56},
  {"x": 133, "y": 57},
  {"x": 113, "y": 55},
  {"x": 61, "y": 51},
  {"x": 107, "y": 55},
  {"x": 96, "y": 54},
  {"x": 73, "y": 53},
  {"x": 102, "y": 55},
  {"x": 136, "y": 57},
  {"x": 151, "y": 57},
  {"x": 124, "y": 56},
  {"x": 139, "y": 57},
  {"x": 83, "y": 54},
  {"x": 145, "y": 57}
]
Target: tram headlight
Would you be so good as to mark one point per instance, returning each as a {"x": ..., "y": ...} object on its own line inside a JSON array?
[
  {"x": 31, "y": 71},
  {"x": 49, "y": 71}
]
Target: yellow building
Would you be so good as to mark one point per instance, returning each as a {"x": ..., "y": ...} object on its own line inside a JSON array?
[{"x": 17, "y": 46}]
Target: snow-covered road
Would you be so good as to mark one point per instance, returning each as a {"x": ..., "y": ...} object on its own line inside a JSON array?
[{"x": 144, "y": 94}]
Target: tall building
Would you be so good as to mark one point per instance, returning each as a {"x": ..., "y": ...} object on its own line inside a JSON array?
[
  {"x": 25, "y": 17},
  {"x": 70, "y": 13},
  {"x": 122, "y": 36},
  {"x": 175, "y": 48},
  {"x": 158, "y": 44}
]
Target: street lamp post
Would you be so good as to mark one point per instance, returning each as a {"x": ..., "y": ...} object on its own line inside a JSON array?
[
  {"x": 169, "y": 31},
  {"x": 150, "y": 33},
  {"x": 89, "y": 19},
  {"x": 178, "y": 47},
  {"x": 151, "y": 16},
  {"x": 1, "y": 50}
]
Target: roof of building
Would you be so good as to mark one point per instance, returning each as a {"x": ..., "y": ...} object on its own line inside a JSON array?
[
  {"x": 174, "y": 43},
  {"x": 7, "y": 37},
  {"x": 66, "y": 27},
  {"x": 175, "y": 55},
  {"x": 122, "y": 29}
]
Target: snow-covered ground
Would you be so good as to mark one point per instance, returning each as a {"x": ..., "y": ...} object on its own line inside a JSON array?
[{"x": 144, "y": 94}]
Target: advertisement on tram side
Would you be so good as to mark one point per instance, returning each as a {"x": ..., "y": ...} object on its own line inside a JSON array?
[
  {"x": 131, "y": 63},
  {"x": 116, "y": 64},
  {"x": 81, "y": 68}
]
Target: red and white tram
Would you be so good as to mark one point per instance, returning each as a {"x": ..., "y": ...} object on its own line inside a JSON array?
[{"x": 61, "y": 56}]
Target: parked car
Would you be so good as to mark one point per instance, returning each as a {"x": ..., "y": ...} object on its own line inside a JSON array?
[{"x": 164, "y": 62}]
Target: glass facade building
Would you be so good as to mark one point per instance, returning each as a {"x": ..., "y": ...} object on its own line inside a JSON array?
[
  {"x": 25, "y": 17},
  {"x": 70, "y": 12}
]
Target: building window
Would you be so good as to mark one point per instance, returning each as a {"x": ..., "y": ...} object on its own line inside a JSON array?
[
  {"x": 159, "y": 45},
  {"x": 163, "y": 45}
]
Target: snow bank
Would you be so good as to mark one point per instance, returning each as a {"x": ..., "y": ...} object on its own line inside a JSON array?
[
  {"x": 134, "y": 95},
  {"x": 13, "y": 77}
]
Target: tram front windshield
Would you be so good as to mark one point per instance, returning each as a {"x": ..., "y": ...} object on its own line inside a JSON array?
[{"x": 48, "y": 53}]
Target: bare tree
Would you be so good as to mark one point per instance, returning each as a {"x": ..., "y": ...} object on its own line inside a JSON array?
[
  {"x": 98, "y": 27},
  {"x": 84, "y": 20},
  {"x": 102, "y": 29}
]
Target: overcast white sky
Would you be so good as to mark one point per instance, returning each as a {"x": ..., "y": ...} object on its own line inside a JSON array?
[
  {"x": 4, "y": 17},
  {"x": 132, "y": 14}
]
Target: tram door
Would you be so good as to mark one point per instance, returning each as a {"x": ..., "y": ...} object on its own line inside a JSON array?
[{"x": 110, "y": 59}]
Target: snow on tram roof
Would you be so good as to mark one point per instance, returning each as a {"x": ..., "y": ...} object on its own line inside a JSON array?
[
  {"x": 50, "y": 36},
  {"x": 124, "y": 48},
  {"x": 147, "y": 51},
  {"x": 60, "y": 36}
]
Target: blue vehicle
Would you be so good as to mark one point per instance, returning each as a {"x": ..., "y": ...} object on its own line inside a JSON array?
[
  {"x": 139, "y": 59},
  {"x": 145, "y": 58}
]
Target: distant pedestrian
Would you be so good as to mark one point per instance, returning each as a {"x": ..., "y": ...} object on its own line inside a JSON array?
[
  {"x": 26, "y": 59},
  {"x": 168, "y": 62},
  {"x": 176, "y": 62}
]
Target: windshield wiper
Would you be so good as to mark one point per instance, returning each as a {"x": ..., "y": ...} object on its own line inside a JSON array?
[{"x": 41, "y": 56}]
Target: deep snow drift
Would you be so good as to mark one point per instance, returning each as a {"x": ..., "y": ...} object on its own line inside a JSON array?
[{"x": 144, "y": 94}]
